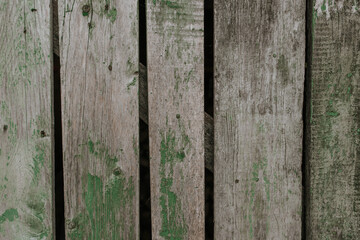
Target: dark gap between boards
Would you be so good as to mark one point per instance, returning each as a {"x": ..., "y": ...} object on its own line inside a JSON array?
[
  {"x": 145, "y": 199},
  {"x": 58, "y": 154},
  {"x": 209, "y": 108}
]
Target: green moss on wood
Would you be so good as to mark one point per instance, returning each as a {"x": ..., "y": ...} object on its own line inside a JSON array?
[{"x": 173, "y": 150}]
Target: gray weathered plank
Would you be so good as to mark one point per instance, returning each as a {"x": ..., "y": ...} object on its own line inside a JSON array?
[
  {"x": 259, "y": 82},
  {"x": 209, "y": 122},
  {"x": 333, "y": 132},
  {"x": 26, "y": 129},
  {"x": 100, "y": 114},
  {"x": 176, "y": 118}
]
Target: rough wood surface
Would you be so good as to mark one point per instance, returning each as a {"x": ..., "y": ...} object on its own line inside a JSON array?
[
  {"x": 209, "y": 122},
  {"x": 333, "y": 167},
  {"x": 26, "y": 155},
  {"x": 176, "y": 118},
  {"x": 259, "y": 82},
  {"x": 100, "y": 114}
]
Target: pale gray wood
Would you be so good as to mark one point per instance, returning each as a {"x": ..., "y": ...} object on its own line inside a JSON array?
[
  {"x": 100, "y": 115},
  {"x": 26, "y": 121},
  {"x": 259, "y": 81},
  {"x": 176, "y": 118},
  {"x": 333, "y": 157},
  {"x": 209, "y": 122}
]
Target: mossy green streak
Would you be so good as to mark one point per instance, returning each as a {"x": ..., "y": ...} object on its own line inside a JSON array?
[
  {"x": 172, "y": 150},
  {"x": 104, "y": 207}
]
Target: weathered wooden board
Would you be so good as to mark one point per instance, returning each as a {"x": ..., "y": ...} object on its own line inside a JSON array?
[
  {"x": 26, "y": 155},
  {"x": 333, "y": 135},
  {"x": 259, "y": 82},
  {"x": 100, "y": 114},
  {"x": 176, "y": 118}
]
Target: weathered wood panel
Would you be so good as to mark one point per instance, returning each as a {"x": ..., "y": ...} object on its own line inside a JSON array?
[
  {"x": 259, "y": 82},
  {"x": 176, "y": 118},
  {"x": 333, "y": 132},
  {"x": 100, "y": 114},
  {"x": 26, "y": 155}
]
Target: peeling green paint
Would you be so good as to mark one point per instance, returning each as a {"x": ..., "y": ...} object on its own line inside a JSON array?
[
  {"x": 173, "y": 150},
  {"x": 105, "y": 206},
  {"x": 131, "y": 84},
  {"x": 112, "y": 15},
  {"x": 9, "y": 215},
  {"x": 100, "y": 151}
]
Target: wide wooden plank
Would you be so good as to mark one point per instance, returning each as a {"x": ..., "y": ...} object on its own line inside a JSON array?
[
  {"x": 100, "y": 115},
  {"x": 333, "y": 132},
  {"x": 26, "y": 151},
  {"x": 259, "y": 82},
  {"x": 176, "y": 118}
]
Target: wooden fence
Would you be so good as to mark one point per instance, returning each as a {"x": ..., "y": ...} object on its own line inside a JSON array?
[{"x": 202, "y": 119}]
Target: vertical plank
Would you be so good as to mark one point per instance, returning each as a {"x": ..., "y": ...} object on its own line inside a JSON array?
[
  {"x": 176, "y": 118},
  {"x": 100, "y": 114},
  {"x": 26, "y": 152},
  {"x": 333, "y": 202},
  {"x": 259, "y": 82}
]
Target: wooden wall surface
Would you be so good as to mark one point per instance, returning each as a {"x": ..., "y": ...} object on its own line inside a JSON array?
[
  {"x": 176, "y": 118},
  {"x": 100, "y": 116},
  {"x": 283, "y": 144},
  {"x": 26, "y": 129},
  {"x": 333, "y": 123},
  {"x": 259, "y": 87}
]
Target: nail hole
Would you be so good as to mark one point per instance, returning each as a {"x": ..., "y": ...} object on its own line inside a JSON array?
[
  {"x": 42, "y": 134},
  {"x": 33, "y": 10},
  {"x": 117, "y": 171},
  {"x": 86, "y": 10},
  {"x": 5, "y": 128}
]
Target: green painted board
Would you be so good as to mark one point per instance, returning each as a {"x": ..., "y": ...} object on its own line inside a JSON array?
[
  {"x": 259, "y": 82},
  {"x": 175, "y": 68},
  {"x": 100, "y": 118},
  {"x": 26, "y": 122},
  {"x": 333, "y": 132}
]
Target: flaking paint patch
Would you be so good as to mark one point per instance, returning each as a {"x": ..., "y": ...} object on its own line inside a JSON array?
[
  {"x": 9, "y": 215},
  {"x": 112, "y": 15},
  {"x": 173, "y": 150},
  {"x": 105, "y": 204}
]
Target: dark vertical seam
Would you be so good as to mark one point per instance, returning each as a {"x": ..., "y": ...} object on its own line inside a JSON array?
[
  {"x": 144, "y": 195},
  {"x": 57, "y": 121},
  {"x": 209, "y": 108},
  {"x": 306, "y": 119}
]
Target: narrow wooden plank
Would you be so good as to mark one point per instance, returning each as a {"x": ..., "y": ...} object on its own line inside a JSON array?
[
  {"x": 333, "y": 152},
  {"x": 209, "y": 122},
  {"x": 100, "y": 114},
  {"x": 176, "y": 118},
  {"x": 259, "y": 82},
  {"x": 26, "y": 129}
]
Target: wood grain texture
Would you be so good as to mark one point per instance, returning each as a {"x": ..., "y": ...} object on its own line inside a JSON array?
[
  {"x": 259, "y": 82},
  {"x": 333, "y": 135},
  {"x": 26, "y": 122},
  {"x": 100, "y": 114},
  {"x": 176, "y": 118},
  {"x": 209, "y": 122}
]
